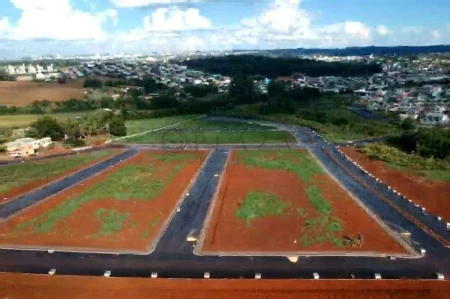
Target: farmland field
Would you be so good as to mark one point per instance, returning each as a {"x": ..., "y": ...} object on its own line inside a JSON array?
[
  {"x": 122, "y": 208},
  {"x": 430, "y": 189},
  {"x": 18, "y": 179},
  {"x": 211, "y": 137},
  {"x": 283, "y": 201},
  {"x": 22, "y": 93},
  {"x": 23, "y": 120},
  {"x": 142, "y": 125}
]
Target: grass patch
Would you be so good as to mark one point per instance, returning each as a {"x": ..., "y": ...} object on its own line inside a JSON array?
[
  {"x": 112, "y": 221},
  {"x": 171, "y": 137},
  {"x": 259, "y": 204},
  {"x": 433, "y": 169},
  {"x": 24, "y": 120},
  {"x": 299, "y": 162},
  {"x": 131, "y": 182},
  {"x": 217, "y": 125},
  {"x": 142, "y": 125},
  {"x": 16, "y": 175},
  {"x": 324, "y": 228},
  {"x": 146, "y": 233}
]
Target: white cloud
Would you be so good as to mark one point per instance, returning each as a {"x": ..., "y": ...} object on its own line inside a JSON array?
[
  {"x": 436, "y": 34},
  {"x": 145, "y": 3},
  {"x": 49, "y": 19},
  {"x": 175, "y": 19},
  {"x": 383, "y": 30}
]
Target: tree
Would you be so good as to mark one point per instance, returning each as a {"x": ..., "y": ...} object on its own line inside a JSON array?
[
  {"x": 408, "y": 124},
  {"x": 93, "y": 83},
  {"x": 47, "y": 127},
  {"x": 117, "y": 127},
  {"x": 242, "y": 90}
]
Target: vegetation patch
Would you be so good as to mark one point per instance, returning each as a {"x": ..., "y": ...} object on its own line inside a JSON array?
[
  {"x": 220, "y": 125},
  {"x": 259, "y": 204},
  {"x": 433, "y": 169},
  {"x": 142, "y": 125},
  {"x": 155, "y": 221},
  {"x": 20, "y": 174},
  {"x": 324, "y": 228},
  {"x": 112, "y": 221},
  {"x": 180, "y": 137},
  {"x": 133, "y": 182},
  {"x": 299, "y": 162}
]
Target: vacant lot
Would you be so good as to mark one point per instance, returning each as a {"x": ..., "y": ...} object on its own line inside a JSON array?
[
  {"x": 23, "y": 93},
  {"x": 430, "y": 189},
  {"x": 142, "y": 125},
  {"x": 122, "y": 208},
  {"x": 61, "y": 286},
  {"x": 283, "y": 201},
  {"x": 186, "y": 137},
  {"x": 19, "y": 179},
  {"x": 220, "y": 125}
]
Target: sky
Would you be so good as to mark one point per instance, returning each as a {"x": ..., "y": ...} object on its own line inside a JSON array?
[{"x": 66, "y": 27}]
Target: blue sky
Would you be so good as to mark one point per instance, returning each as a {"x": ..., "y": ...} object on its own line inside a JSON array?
[{"x": 37, "y": 27}]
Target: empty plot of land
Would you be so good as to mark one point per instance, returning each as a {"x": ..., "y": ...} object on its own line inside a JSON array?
[
  {"x": 18, "y": 179},
  {"x": 143, "y": 125},
  {"x": 123, "y": 208},
  {"x": 283, "y": 201},
  {"x": 182, "y": 137},
  {"x": 221, "y": 125},
  {"x": 22, "y": 93},
  {"x": 62, "y": 286},
  {"x": 430, "y": 189}
]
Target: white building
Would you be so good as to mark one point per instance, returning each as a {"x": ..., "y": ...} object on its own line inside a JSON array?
[
  {"x": 40, "y": 68},
  {"x": 18, "y": 144},
  {"x": 433, "y": 118},
  {"x": 50, "y": 68},
  {"x": 32, "y": 70}
]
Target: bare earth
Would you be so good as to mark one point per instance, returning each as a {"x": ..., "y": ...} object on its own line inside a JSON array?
[
  {"x": 19, "y": 286},
  {"x": 23, "y": 93}
]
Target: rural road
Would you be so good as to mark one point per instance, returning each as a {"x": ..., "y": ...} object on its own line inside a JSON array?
[{"x": 173, "y": 256}]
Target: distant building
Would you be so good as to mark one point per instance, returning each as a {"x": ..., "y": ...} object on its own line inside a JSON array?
[{"x": 27, "y": 146}]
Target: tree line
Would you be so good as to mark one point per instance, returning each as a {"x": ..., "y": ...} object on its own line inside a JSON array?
[{"x": 274, "y": 67}]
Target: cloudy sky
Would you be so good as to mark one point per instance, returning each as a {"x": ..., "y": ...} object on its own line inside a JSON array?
[{"x": 37, "y": 27}]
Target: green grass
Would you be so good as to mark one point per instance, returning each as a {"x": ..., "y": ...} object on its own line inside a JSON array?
[
  {"x": 142, "y": 125},
  {"x": 171, "y": 137},
  {"x": 259, "y": 204},
  {"x": 216, "y": 125},
  {"x": 324, "y": 228},
  {"x": 299, "y": 162},
  {"x": 16, "y": 175},
  {"x": 433, "y": 169},
  {"x": 24, "y": 120},
  {"x": 155, "y": 221},
  {"x": 112, "y": 221},
  {"x": 130, "y": 182},
  {"x": 358, "y": 128}
]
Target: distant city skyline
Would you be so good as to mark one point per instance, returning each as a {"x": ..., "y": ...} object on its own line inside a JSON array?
[{"x": 68, "y": 27}]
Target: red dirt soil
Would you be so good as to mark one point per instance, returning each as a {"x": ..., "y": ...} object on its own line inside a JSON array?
[
  {"x": 432, "y": 195},
  {"x": 21, "y": 93},
  {"x": 36, "y": 184},
  {"x": 227, "y": 233},
  {"x": 77, "y": 229},
  {"x": 19, "y": 286}
]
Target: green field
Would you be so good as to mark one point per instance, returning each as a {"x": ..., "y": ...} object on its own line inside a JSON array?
[
  {"x": 219, "y": 125},
  {"x": 259, "y": 204},
  {"x": 211, "y": 137},
  {"x": 23, "y": 120},
  {"x": 321, "y": 225},
  {"x": 433, "y": 169},
  {"x": 143, "y": 125},
  {"x": 20, "y": 174}
]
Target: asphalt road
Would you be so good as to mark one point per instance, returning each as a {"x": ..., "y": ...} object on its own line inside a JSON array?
[{"x": 173, "y": 256}]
